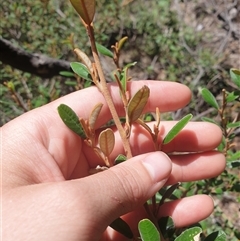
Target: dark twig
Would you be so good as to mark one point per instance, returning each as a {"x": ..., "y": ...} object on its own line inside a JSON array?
[{"x": 37, "y": 64}]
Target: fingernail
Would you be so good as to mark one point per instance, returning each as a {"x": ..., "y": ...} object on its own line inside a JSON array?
[{"x": 158, "y": 165}]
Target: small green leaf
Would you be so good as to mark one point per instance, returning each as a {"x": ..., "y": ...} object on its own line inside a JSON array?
[
  {"x": 124, "y": 75},
  {"x": 234, "y": 124},
  {"x": 122, "y": 227},
  {"x": 122, "y": 41},
  {"x": 85, "y": 8},
  {"x": 177, "y": 128},
  {"x": 148, "y": 231},
  {"x": 232, "y": 96},
  {"x": 218, "y": 191},
  {"x": 119, "y": 159},
  {"x": 81, "y": 70},
  {"x": 137, "y": 103},
  {"x": 190, "y": 234},
  {"x": 148, "y": 117},
  {"x": 10, "y": 86},
  {"x": 209, "y": 98},
  {"x": 234, "y": 157},
  {"x": 71, "y": 120},
  {"x": 87, "y": 84},
  {"x": 66, "y": 73},
  {"x": 235, "y": 76},
  {"x": 206, "y": 119},
  {"x": 104, "y": 51},
  {"x": 106, "y": 141},
  {"x": 222, "y": 145},
  {"x": 84, "y": 59},
  {"x": 70, "y": 83},
  {"x": 216, "y": 236}
]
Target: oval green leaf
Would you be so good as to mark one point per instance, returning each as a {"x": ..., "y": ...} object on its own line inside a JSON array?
[
  {"x": 216, "y": 236},
  {"x": 85, "y": 8},
  {"x": 209, "y": 98},
  {"x": 122, "y": 227},
  {"x": 137, "y": 103},
  {"x": 71, "y": 120},
  {"x": 236, "y": 158},
  {"x": 66, "y": 73},
  {"x": 235, "y": 76},
  {"x": 177, "y": 128},
  {"x": 81, "y": 70},
  {"x": 104, "y": 51},
  {"x": 234, "y": 124},
  {"x": 210, "y": 120},
  {"x": 70, "y": 83},
  {"x": 84, "y": 59},
  {"x": 190, "y": 234},
  {"x": 106, "y": 141},
  {"x": 148, "y": 231}
]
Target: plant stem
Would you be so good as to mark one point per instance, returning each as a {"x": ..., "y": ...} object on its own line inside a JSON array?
[
  {"x": 224, "y": 122},
  {"x": 102, "y": 86},
  {"x": 105, "y": 92}
]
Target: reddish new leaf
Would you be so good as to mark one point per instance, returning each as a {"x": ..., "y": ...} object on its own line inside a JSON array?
[{"x": 85, "y": 8}]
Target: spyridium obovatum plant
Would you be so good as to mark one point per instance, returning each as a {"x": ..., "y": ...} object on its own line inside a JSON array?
[{"x": 91, "y": 70}]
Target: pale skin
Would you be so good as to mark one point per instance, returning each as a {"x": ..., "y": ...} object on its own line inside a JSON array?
[{"x": 49, "y": 195}]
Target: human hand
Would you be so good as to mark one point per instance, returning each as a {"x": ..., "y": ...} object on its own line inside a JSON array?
[{"x": 49, "y": 195}]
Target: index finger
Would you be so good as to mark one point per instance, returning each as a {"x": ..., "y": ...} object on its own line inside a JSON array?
[{"x": 167, "y": 96}]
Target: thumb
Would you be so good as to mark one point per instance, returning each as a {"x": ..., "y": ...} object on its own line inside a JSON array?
[
  {"x": 83, "y": 207},
  {"x": 124, "y": 187}
]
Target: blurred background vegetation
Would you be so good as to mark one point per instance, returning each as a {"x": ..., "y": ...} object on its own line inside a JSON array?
[{"x": 191, "y": 42}]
